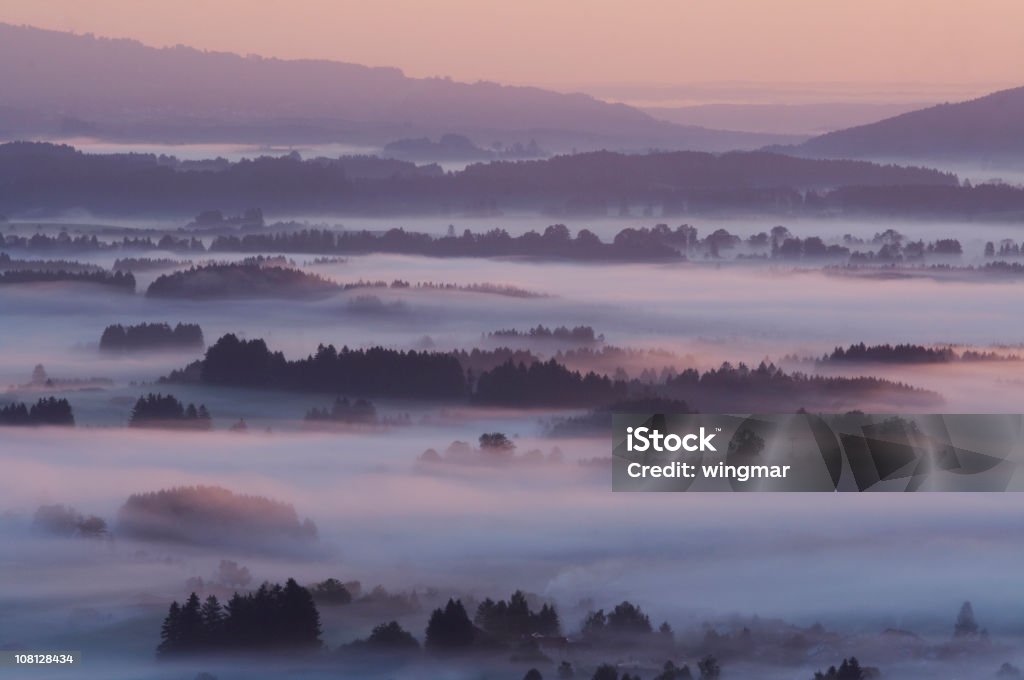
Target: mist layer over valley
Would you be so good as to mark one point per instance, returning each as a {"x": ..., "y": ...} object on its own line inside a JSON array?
[
  {"x": 309, "y": 368},
  {"x": 400, "y": 494}
]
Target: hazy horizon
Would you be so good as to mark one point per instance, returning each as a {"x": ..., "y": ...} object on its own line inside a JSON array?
[{"x": 662, "y": 51}]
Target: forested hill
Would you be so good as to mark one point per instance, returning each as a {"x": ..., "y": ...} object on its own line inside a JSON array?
[{"x": 45, "y": 178}]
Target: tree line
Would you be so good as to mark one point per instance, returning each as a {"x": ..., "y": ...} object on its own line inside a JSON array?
[
  {"x": 517, "y": 381},
  {"x": 151, "y": 336},
  {"x": 555, "y": 241},
  {"x": 65, "y": 242},
  {"x": 909, "y": 354},
  {"x": 354, "y": 412},
  {"x": 123, "y": 281},
  {"x": 46, "y": 411},
  {"x": 51, "y": 177},
  {"x": 399, "y": 284},
  {"x": 657, "y": 243},
  {"x": 285, "y": 619},
  {"x": 273, "y": 618},
  {"x": 7, "y": 263},
  {"x": 547, "y": 383},
  {"x": 166, "y": 411},
  {"x": 136, "y": 264},
  {"x": 365, "y": 372},
  {"x": 247, "y": 279},
  {"x": 849, "y": 669},
  {"x": 577, "y": 334},
  {"x": 752, "y": 388}
]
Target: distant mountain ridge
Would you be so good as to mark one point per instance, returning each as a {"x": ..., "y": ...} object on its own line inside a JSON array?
[
  {"x": 80, "y": 84},
  {"x": 989, "y": 128},
  {"x": 808, "y": 120}
]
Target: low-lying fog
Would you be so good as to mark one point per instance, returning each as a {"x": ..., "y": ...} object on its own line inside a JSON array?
[
  {"x": 972, "y": 234},
  {"x": 706, "y": 313},
  {"x": 856, "y": 563}
]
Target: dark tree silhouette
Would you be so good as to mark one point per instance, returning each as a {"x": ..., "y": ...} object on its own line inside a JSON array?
[
  {"x": 392, "y": 638},
  {"x": 513, "y": 619},
  {"x": 626, "y": 619},
  {"x": 332, "y": 592},
  {"x": 729, "y": 387},
  {"x": 363, "y": 372},
  {"x": 545, "y": 384},
  {"x": 158, "y": 410},
  {"x": 910, "y": 354},
  {"x": 584, "y": 335},
  {"x": 213, "y": 617},
  {"x": 849, "y": 669},
  {"x": 151, "y": 336},
  {"x": 46, "y": 411},
  {"x": 122, "y": 281},
  {"x": 507, "y": 380},
  {"x": 449, "y": 629},
  {"x": 240, "y": 281},
  {"x": 357, "y": 412},
  {"x": 966, "y": 625},
  {"x": 141, "y": 264},
  {"x": 496, "y": 442},
  {"x": 273, "y": 618},
  {"x": 56, "y": 177}
]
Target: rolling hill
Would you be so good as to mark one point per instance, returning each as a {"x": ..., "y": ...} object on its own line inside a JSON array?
[
  {"x": 80, "y": 85},
  {"x": 987, "y": 129}
]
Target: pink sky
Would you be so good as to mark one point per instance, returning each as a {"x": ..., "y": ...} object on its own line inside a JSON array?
[{"x": 579, "y": 43}]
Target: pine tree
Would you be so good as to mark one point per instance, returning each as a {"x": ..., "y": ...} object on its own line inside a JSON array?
[
  {"x": 547, "y": 622},
  {"x": 190, "y": 625},
  {"x": 272, "y": 617},
  {"x": 212, "y": 615},
  {"x": 518, "y": 614},
  {"x": 850, "y": 670},
  {"x": 450, "y": 629},
  {"x": 170, "y": 632},
  {"x": 966, "y": 625},
  {"x": 300, "y": 615}
]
